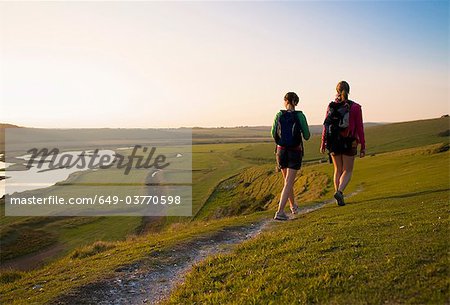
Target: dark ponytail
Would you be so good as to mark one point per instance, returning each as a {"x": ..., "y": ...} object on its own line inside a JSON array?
[
  {"x": 292, "y": 98},
  {"x": 343, "y": 89}
]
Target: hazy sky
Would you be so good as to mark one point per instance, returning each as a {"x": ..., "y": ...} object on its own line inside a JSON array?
[{"x": 155, "y": 64}]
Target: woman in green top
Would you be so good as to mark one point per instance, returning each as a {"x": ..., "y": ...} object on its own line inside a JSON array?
[{"x": 288, "y": 128}]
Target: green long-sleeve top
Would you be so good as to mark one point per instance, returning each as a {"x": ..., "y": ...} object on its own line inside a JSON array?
[{"x": 303, "y": 125}]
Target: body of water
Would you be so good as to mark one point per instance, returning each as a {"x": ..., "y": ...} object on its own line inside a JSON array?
[{"x": 37, "y": 178}]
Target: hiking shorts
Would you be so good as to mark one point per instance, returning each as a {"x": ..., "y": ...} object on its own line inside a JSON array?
[
  {"x": 347, "y": 147},
  {"x": 289, "y": 158}
]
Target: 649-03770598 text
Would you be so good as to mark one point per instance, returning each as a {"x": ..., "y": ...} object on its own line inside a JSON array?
[{"x": 99, "y": 200}]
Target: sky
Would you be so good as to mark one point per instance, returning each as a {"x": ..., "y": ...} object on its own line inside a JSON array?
[{"x": 211, "y": 64}]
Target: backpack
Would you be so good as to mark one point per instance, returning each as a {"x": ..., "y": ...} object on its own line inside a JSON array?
[
  {"x": 289, "y": 131},
  {"x": 336, "y": 122}
]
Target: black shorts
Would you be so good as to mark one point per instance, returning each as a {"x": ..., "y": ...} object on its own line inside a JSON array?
[
  {"x": 346, "y": 146},
  {"x": 289, "y": 158}
]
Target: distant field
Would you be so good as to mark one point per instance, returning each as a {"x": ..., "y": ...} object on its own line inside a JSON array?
[
  {"x": 26, "y": 235},
  {"x": 123, "y": 137},
  {"x": 2, "y": 135}
]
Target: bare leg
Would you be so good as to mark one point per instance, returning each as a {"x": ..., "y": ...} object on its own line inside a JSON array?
[
  {"x": 291, "y": 195},
  {"x": 338, "y": 168},
  {"x": 287, "y": 189},
  {"x": 347, "y": 171}
]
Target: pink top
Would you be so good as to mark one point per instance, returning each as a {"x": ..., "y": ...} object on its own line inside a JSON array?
[{"x": 355, "y": 126}]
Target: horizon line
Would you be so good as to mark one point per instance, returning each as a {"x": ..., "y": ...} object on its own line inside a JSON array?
[{"x": 202, "y": 127}]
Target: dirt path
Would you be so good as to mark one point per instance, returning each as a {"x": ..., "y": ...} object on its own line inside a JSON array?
[{"x": 153, "y": 279}]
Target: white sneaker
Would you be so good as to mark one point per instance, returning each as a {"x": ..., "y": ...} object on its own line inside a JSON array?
[{"x": 280, "y": 216}]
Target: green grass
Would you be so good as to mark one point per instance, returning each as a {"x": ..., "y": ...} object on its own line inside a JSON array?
[
  {"x": 31, "y": 234},
  {"x": 26, "y": 235},
  {"x": 104, "y": 228},
  {"x": 91, "y": 250},
  {"x": 258, "y": 188},
  {"x": 356, "y": 254},
  {"x": 91, "y": 263},
  {"x": 10, "y": 276},
  {"x": 389, "y": 244},
  {"x": 395, "y": 185},
  {"x": 210, "y": 165},
  {"x": 20, "y": 242}
]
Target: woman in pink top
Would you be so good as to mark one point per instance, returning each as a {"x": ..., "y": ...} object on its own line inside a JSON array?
[{"x": 344, "y": 147}]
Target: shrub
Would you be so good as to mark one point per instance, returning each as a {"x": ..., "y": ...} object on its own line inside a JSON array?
[
  {"x": 95, "y": 248},
  {"x": 10, "y": 276}
]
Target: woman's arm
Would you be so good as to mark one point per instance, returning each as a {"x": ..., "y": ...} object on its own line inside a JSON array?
[
  {"x": 323, "y": 141},
  {"x": 304, "y": 125},
  {"x": 360, "y": 130},
  {"x": 274, "y": 125}
]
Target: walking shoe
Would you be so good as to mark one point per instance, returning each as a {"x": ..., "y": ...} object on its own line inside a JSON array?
[
  {"x": 339, "y": 198},
  {"x": 294, "y": 209},
  {"x": 281, "y": 216}
]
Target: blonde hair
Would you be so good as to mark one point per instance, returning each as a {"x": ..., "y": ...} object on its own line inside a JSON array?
[{"x": 343, "y": 89}]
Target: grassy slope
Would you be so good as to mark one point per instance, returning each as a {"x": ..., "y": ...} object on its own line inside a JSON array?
[
  {"x": 212, "y": 163},
  {"x": 257, "y": 188},
  {"x": 388, "y": 245},
  {"x": 216, "y": 163},
  {"x": 88, "y": 264},
  {"x": 24, "y": 235},
  {"x": 323, "y": 254},
  {"x": 31, "y": 234},
  {"x": 261, "y": 190}
]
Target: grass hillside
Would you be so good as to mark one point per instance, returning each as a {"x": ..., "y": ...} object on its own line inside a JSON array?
[
  {"x": 403, "y": 181},
  {"x": 361, "y": 253},
  {"x": 99, "y": 260},
  {"x": 388, "y": 245},
  {"x": 21, "y": 236},
  {"x": 215, "y": 194},
  {"x": 257, "y": 188}
]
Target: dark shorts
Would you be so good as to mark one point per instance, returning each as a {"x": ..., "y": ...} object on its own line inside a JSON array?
[
  {"x": 348, "y": 147},
  {"x": 289, "y": 158}
]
